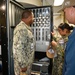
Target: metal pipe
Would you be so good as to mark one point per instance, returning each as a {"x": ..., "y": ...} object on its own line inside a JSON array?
[{"x": 18, "y": 4}]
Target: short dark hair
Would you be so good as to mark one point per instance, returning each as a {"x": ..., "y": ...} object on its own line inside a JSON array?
[
  {"x": 65, "y": 26},
  {"x": 26, "y": 13}
]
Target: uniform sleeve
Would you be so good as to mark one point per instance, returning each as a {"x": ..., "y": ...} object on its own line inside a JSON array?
[
  {"x": 70, "y": 59},
  {"x": 19, "y": 47}
]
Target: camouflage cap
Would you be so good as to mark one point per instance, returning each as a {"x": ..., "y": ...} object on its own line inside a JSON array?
[{"x": 68, "y": 3}]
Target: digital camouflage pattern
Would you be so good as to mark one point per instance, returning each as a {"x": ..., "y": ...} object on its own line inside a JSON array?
[
  {"x": 23, "y": 48},
  {"x": 59, "y": 60}
]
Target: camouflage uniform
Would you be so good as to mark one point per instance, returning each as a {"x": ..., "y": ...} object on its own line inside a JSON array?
[
  {"x": 59, "y": 60},
  {"x": 23, "y": 48}
]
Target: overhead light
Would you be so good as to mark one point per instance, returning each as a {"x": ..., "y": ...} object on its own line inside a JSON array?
[
  {"x": 58, "y": 2},
  {"x": 3, "y": 7}
]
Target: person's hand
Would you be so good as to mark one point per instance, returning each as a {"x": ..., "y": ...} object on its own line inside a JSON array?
[
  {"x": 54, "y": 44},
  {"x": 52, "y": 33},
  {"x": 24, "y": 69}
]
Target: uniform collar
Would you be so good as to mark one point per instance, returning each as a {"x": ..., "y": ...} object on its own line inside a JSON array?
[{"x": 28, "y": 27}]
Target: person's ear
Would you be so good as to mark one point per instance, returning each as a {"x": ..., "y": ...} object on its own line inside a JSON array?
[
  {"x": 65, "y": 30},
  {"x": 72, "y": 11}
]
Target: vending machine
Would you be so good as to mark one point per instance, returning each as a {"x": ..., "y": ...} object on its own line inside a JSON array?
[{"x": 42, "y": 26}]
